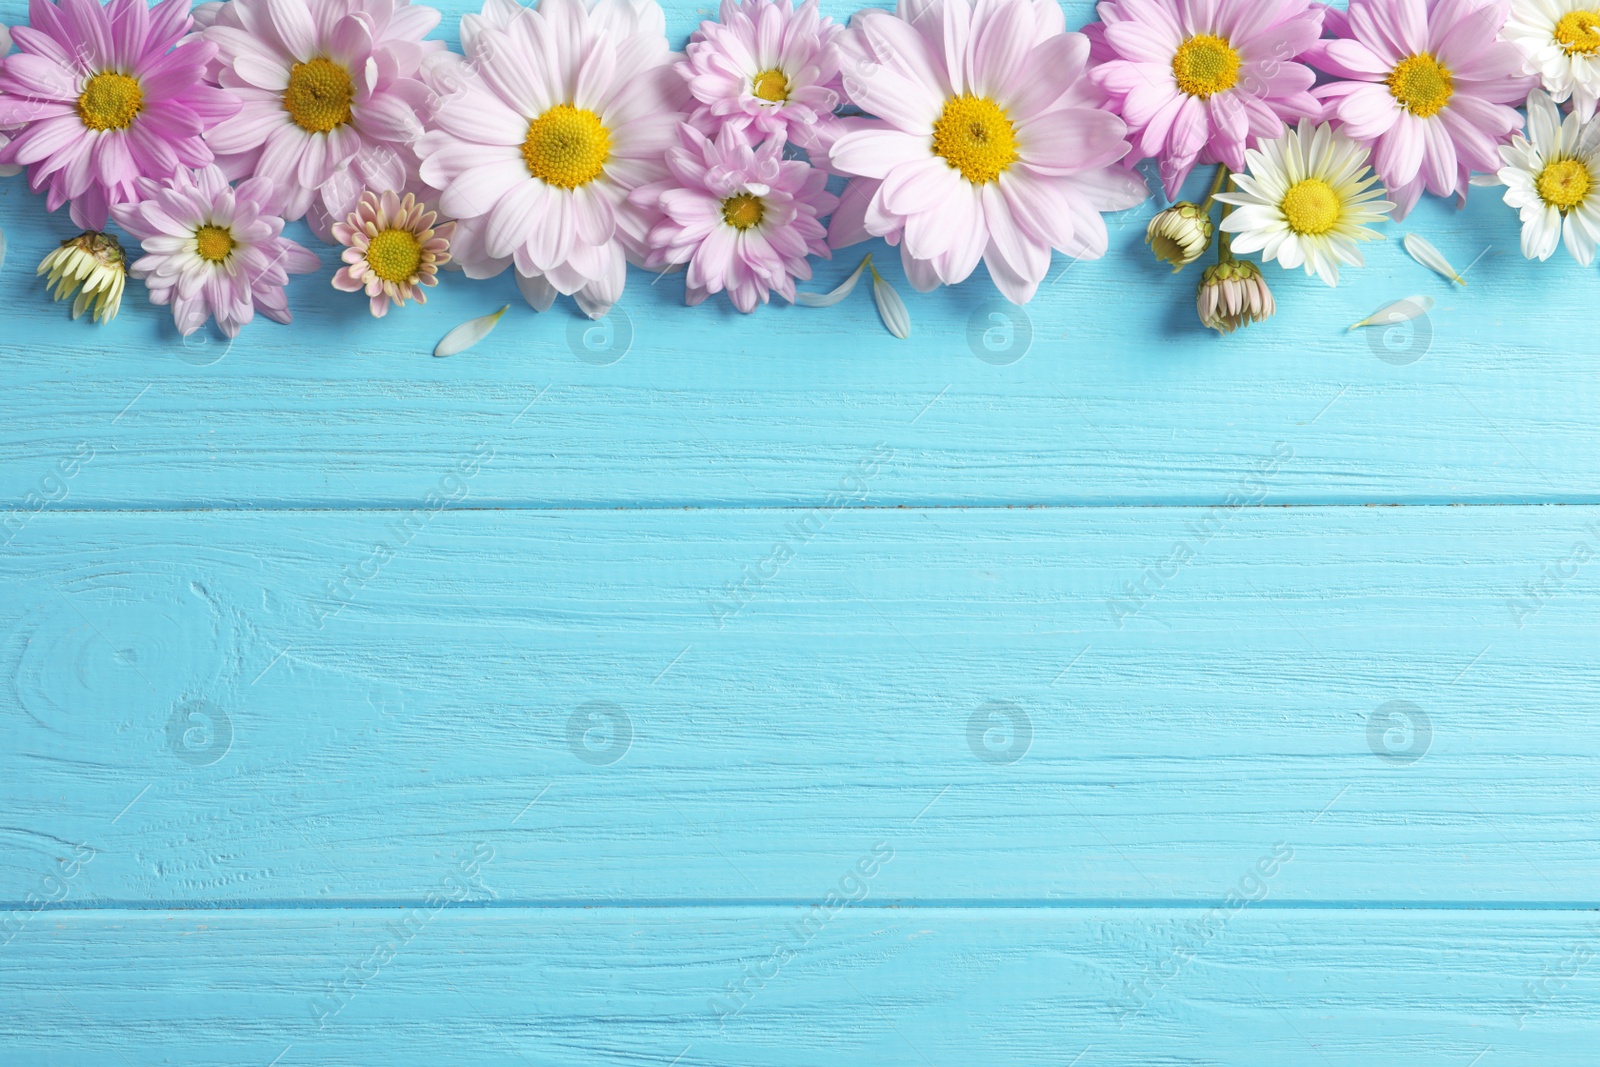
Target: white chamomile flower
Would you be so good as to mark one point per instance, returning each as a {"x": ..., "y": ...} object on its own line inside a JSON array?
[
  {"x": 1304, "y": 200},
  {"x": 1553, "y": 181},
  {"x": 1560, "y": 42},
  {"x": 92, "y": 266}
]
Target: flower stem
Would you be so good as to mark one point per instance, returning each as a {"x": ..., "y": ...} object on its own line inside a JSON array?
[
  {"x": 1216, "y": 187},
  {"x": 1224, "y": 243}
]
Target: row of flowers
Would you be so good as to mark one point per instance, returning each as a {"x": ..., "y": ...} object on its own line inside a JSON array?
[{"x": 568, "y": 140}]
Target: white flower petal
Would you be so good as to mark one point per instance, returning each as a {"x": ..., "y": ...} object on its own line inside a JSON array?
[
  {"x": 828, "y": 299},
  {"x": 891, "y": 308},
  {"x": 1422, "y": 250},
  {"x": 1400, "y": 311},
  {"x": 468, "y": 334}
]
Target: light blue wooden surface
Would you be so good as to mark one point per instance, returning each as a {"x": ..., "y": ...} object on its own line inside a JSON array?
[{"x": 946, "y": 703}]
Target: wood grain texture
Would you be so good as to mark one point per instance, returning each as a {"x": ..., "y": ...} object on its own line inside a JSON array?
[
  {"x": 1125, "y": 749},
  {"x": 893, "y": 987}
]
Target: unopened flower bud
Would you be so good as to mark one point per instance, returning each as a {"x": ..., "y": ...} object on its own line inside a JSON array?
[
  {"x": 1179, "y": 235},
  {"x": 1233, "y": 294}
]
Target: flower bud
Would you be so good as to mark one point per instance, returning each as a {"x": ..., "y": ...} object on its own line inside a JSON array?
[
  {"x": 93, "y": 266},
  {"x": 1179, "y": 234},
  {"x": 1233, "y": 294}
]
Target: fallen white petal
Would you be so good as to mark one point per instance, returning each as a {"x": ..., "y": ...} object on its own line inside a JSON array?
[
  {"x": 828, "y": 299},
  {"x": 1422, "y": 250},
  {"x": 1399, "y": 311},
  {"x": 890, "y": 307},
  {"x": 468, "y": 334}
]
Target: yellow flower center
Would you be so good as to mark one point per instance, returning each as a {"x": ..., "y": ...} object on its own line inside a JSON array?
[
  {"x": 1564, "y": 184},
  {"x": 742, "y": 211},
  {"x": 213, "y": 243},
  {"x": 975, "y": 136},
  {"x": 1311, "y": 207},
  {"x": 1422, "y": 84},
  {"x": 109, "y": 101},
  {"x": 1576, "y": 33},
  {"x": 567, "y": 146},
  {"x": 770, "y": 85},
  {"x": 319, "y": 95},
  {"x": 395, "y": 255},
  {"x": 1205, "y": 64}
]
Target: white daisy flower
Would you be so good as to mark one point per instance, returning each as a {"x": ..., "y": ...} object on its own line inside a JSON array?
[
  {"x": 1560, "y": 43},
  {"x": 1553, "y": 181},
  {"x": 1304, "y": 200}
]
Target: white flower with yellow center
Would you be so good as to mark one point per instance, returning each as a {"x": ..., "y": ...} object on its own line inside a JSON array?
[
  {"x": 1305, "y": 201},
  {"x": 1553, "y": 180},
  {"x": 1560, "y": 42}
]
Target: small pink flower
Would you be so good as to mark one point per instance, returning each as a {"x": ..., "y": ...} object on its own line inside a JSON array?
[
  {"x": 212, "y": 250},
  {"x": 104, "y": 96},
  {"x": 1431, "y": 89},
  {"x": 743, "y": 218},
  {"x": 1201, "y": 82},
  {"x": 393, "y": 249},
  {"x": 765, "y": 65}
]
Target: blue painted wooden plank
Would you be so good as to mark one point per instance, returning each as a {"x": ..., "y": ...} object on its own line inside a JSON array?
[
  {"x": 1104, "y": 391},
  {"x": 1251, "y": 987},
  {"x": 1066, "y": 704}
]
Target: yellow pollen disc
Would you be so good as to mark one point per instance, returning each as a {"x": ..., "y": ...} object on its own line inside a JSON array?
[
  {"x": 1564, "y": 184},
  {"x": 742, "y": 211},
  {"x": 770, "y": 85},
  {"x": 975, "y": 136},
  {"x": 110, "y": 101},
  {"x": 1576, "y": 33},
  {"x": 213, "y": 243},
  {"x": 1422, "y": 84},
  {"x": 1311, "y": 207},
  {"x": 395, "y": 255},
  {"x": 319, "y": 95},
  {"x": 1205, "y": 64},
  {"x": 567, "y": 146}
]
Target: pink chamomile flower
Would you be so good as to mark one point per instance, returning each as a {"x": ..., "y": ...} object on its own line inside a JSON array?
[
  {"x": 393, "y": 247},
  {"x": 1201, "y": 82},
  {"x": 1430, "y": 87},
  {"x": 556, "y": 114},
  {"x": 765, "y": 65},
  {"x": 988, "y": 142},
  {"x": 99, "y": 97},
  {"x": 333, "y": 97},
  {"x": 212, "y": 250},
  {"x": 743, "y": 218}
]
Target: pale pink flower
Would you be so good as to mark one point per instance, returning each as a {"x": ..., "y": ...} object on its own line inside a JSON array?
[
  {"x": 104, "y": 96},
  {"x": 393, "y": 247},
  {"x": 988, "y": 143},
  {"x": 333, "y": 97},
  {"x": 743, "y": 218},
  {"x": 765, "y": 64},
  {"x": 557, "y": 114},
  {"x": 212, "y": 250},
  {"x": 1201, "y": 82},
  {"x": 1431, "y": 88}
]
